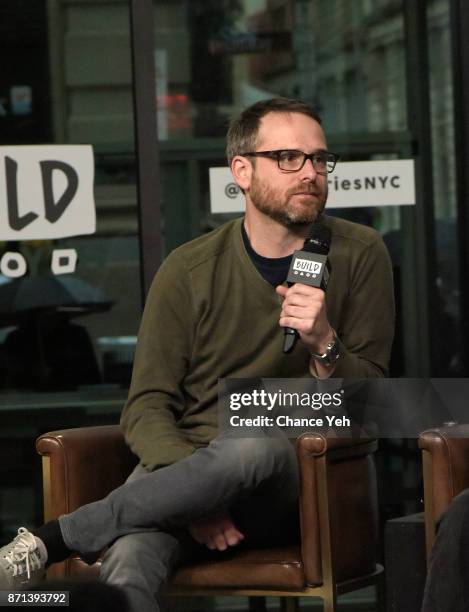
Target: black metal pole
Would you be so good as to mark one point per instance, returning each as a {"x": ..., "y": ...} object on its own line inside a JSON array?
[
  {"x": 459, "y": 20},
  {"x": 146, "y": 140},
  {"x": 419, "y": 121}
]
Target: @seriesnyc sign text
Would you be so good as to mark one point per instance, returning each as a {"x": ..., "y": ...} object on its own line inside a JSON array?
[
  {"x": 351, "y": 185},
  {"x": 46, "y": 192}
]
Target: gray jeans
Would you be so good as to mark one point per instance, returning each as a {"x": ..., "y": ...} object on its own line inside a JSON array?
[{"x": 145, "y": 519}]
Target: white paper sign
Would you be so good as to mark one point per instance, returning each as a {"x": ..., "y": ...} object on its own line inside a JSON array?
[
  {"x": 372, "y": 183},
  {"x": 46, "y": 192},
  {"x": 352, "y": 184}
]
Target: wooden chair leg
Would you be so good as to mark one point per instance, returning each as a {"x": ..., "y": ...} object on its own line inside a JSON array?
[{"x": 330, "y": 601}]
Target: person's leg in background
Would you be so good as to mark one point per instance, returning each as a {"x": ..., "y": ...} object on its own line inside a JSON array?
[{"x": 447, "y": 585}]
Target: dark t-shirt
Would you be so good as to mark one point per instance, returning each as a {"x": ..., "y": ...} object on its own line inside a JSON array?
[{"x": 273, "y": 270}]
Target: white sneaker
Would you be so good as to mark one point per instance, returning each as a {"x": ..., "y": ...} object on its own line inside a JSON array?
[{"x": 21, "y": 561}]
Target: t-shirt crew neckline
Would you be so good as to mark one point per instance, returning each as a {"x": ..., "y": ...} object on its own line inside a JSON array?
[{"x": 272, "y": 270}]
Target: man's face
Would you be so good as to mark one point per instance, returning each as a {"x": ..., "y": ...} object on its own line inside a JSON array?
[{"x": 291, "y": 198}]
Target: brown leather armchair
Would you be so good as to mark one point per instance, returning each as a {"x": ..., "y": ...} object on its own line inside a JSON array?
[
  {"x": 338, "y": 517},
  {"x": 445, "y": 455}
]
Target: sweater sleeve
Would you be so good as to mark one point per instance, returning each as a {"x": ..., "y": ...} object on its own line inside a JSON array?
[
  {"x": 367, "y": 328},
  {"x": 156, "y": 399}
]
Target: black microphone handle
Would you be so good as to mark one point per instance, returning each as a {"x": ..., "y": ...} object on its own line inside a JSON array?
[
  {"x": 318, "y": 242},
  {"x": 290, "y": 336}
]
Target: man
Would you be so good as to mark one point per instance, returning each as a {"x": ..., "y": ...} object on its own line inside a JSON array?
[{"x": 217, "y": 309}]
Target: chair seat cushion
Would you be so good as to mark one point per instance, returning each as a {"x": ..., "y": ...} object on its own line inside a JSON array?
[{"x": 271, "y": 568}]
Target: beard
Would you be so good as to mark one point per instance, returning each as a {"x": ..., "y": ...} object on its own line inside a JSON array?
[{"x": 280, "y": 207}]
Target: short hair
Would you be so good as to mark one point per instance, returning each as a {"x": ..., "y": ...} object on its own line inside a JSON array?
[{"x": 243, "y": 129}]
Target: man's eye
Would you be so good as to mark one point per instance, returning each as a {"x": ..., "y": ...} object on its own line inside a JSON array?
[
  {"x": 321, "y": 159},
  {"x": 289, "y": 156}
]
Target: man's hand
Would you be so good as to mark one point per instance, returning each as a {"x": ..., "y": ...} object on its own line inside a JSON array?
[
  {"x": 304, "y": 309},
  {"x": 217, "y": 532}
]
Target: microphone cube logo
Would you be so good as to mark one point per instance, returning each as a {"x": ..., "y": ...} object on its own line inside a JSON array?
[{"x": 307, "y": 266}]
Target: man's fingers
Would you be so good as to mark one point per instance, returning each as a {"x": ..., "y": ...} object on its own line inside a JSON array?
[
  {"x": 298, "y": 289},
  {"x": 217, "y": 533},
  {"x": 301, "y": 325},
  {"x": 220, "y": 541},
  {"x": 305, "y": 301},
  {"x": 299, "y": 312},
  {"x": 281, "y": 290},
  {"x": 210, "y": 543},
  {"x": 233, "y": 536},
  {"x": 302, "y": 289}
]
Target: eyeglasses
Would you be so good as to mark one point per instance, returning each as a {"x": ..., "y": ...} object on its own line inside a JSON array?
[{"x": 292, "y": 160}]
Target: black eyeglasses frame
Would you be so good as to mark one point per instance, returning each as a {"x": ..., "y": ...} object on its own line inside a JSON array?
[{"x": 275, "y": 155}]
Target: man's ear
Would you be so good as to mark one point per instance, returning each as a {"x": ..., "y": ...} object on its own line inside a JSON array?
[{"x": 241, "y": 169}]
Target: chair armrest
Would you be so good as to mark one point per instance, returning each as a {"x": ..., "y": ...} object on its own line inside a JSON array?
[
  {"x": 338, "y": 506},
  {"x": 82, "y": 465},
  {"x": 318, "y": 444},
  {"x": 445, "y": 455}
]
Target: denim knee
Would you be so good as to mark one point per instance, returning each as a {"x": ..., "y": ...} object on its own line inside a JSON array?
[
  {"x": 140, "y": 564},
  {"x": 254, "y": 459}
]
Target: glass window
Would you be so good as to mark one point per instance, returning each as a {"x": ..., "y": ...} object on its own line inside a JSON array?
[
  {"x": 215, "y": 58},
  {"x": 66, "y": 79}
]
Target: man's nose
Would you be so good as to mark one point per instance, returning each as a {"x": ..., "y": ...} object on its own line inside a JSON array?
[{"x": 308, "y": 172}]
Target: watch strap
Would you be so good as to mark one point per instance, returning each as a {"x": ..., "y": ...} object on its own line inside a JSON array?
[{"x": 331, "y": 354}]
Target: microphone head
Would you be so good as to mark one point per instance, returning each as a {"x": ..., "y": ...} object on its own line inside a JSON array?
[{"x": 318, "y": 240}]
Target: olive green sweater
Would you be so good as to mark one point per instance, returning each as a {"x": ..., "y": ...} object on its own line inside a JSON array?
[{"x": 209, "y": 314}]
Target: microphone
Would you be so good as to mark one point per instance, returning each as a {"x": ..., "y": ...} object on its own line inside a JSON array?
[{"x": 310, "y": 267}]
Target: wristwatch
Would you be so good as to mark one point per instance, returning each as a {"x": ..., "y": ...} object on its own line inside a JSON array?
[{"x": 331, "y": 354}]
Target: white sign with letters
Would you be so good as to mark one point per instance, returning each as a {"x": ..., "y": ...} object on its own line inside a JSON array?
[
  {"x": 46, "y": 192},
  {"x": 352, "y": 184}
]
